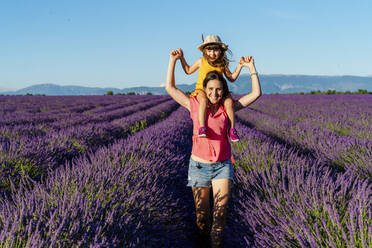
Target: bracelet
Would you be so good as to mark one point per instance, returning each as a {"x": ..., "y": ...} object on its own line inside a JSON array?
[{"x": 254, "y": 73}]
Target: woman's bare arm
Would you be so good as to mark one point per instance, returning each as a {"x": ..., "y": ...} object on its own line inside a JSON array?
[
  {"x": 249, "y": 98},
  {"x": 177, "y": 94}
]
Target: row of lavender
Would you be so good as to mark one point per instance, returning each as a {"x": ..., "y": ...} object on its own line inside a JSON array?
[
  {"x": 341, "y": 114},
  {"x": 335, "y": 129},
  {"x": 31, "y": 150},
  {"x": 284, "y": 198},
  {"x": 129, "y": 194},
  {"x": 43, "y": 104},
  {"x": 302, "y": 187},
  {"x": 133, "y": 194},
  {"x": 28, "y": 111}
]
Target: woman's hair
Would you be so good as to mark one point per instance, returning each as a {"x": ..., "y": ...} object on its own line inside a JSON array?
[
  {"x": 215, "y": 75},
  {"x": 223, "y": 60}
]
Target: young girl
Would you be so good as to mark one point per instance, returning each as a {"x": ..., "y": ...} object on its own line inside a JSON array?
[{"x": 214, "y": 59}]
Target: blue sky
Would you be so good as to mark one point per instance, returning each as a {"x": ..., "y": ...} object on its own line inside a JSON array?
[{"x": 126, "y": 43}]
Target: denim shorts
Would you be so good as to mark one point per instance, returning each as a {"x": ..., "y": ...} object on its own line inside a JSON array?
[{"x": 202, "y": 174}]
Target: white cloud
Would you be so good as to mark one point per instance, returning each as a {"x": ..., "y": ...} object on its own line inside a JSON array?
[{"x": 284, "y": 86}]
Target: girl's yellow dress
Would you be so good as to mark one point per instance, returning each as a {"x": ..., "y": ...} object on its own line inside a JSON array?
[{"x": 205, "y": 67}]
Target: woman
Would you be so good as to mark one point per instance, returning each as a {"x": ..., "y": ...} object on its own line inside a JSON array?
[{"x": 210, "y": 163}]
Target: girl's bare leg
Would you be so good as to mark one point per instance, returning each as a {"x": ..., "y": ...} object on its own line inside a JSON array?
[
  {"x": 228, "y": 104},
  {"x": 221, "y": 194},
  {"x": 203, "y": 101},
  {"x": 201, "y": 199}
]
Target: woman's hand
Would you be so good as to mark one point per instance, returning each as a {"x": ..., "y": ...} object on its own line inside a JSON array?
[
  {"x": 249, "y": 98},
  {"x": 180, "y": 52},
  {"x": 170, "y": 85},
  {"x": 175, "y": 54}
]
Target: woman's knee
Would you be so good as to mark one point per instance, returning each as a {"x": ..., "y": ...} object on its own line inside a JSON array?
[
  {"x": 201, "y": 198},
  {"x": 221, "y": 193}
]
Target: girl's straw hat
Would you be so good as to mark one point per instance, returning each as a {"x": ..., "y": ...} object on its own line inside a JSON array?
[{"x": 212, "y": 39}]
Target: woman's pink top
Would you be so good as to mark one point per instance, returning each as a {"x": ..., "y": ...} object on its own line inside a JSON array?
[{"x": 217, "y": 146}]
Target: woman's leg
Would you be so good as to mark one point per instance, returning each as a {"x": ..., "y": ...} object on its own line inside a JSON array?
[
  {"x": 228, "y": 104},
  {"x": 201, "y": 199},
  {"x": 221, "y": 194},
  {"x": 203, "y": 101}
]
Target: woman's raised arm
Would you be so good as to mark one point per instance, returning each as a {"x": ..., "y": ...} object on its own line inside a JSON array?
[
  {"x": 177, "y": 94},
  {"x": 249, "y": 98}
]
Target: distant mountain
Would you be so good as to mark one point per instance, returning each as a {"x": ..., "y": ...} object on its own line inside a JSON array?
[
  {"x": 57, "y": 90},
  {"x": 53, "y": 89},
  {"x": 269, "y": 83},
  {"x": 302, "y": 83},
  {"x": 157, "y": 90}
]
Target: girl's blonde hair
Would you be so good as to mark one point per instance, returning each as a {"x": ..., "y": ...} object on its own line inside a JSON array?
[{"x": 223, "y": 60}]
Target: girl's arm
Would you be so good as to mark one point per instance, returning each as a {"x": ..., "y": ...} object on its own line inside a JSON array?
[
  {"x": 188, "y": 69},
  {"x": 233, "y": 76},
  {"x": 170, "y": 86},
  {"x": 256, "y": 87}
]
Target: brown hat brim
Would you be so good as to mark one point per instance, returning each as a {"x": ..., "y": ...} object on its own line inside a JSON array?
[{"x": 224, "y": 47}]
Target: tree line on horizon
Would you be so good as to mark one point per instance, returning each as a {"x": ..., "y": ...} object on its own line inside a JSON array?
[{"x": 333, "y": 92}]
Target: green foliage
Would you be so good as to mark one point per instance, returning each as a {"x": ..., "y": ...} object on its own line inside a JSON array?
[
  {"x": 78, "y": 146},
  {"x": 360, "y": 91},
  {"x": 44, "y": 109},
  {"x": 109, "y": 93},
  {"x": 138, "y": 126},
  {"x": 343, "y": 131},
  {"x": 253, "y": 161},
  {"x": 313, "y": 92},
  {"x": 330, "y": 92},
  {"x": 25, "y": 167}
]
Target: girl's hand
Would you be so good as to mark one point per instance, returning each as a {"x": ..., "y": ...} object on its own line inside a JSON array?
[
  {"x": 241, "y": 61},
  {"x": 247, "y": 61},
  {"x": 175, "y": 54}
]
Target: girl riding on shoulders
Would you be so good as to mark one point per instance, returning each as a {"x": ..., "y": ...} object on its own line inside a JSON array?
[{"x": 214, "y": 59}]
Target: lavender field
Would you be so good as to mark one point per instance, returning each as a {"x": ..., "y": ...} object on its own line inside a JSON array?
[{"x": 111, "y": 171}]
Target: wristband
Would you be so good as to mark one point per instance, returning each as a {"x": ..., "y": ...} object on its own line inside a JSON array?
[{"x": 254, "y": 73}]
